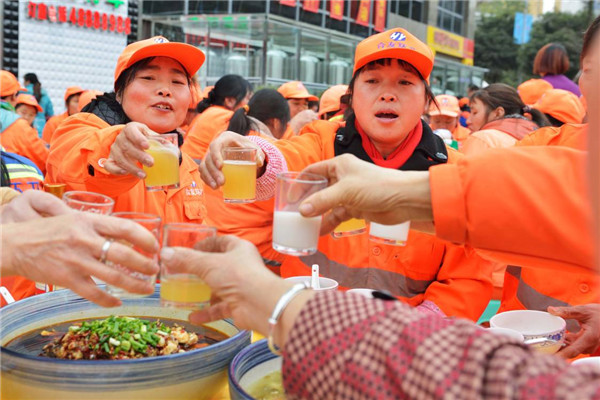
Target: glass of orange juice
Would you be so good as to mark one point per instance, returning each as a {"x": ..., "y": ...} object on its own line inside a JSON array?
[
  {"x": 152, "y": 223},
  {"x": 239, "y": 168},
  {"x": 178, "y": 289},
  {"x": 164, "y": 174},
  {"x": 351, "y": 227}
]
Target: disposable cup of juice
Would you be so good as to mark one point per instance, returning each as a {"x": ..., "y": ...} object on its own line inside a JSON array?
[
  {"x": 164, "y": 174},
  {"x": 239, "y": 168},
  {"x": 152, "y": 223},
  {"x": 56, "y": 189},
  {"x": 351, "y": 227},
  {"x": 395, "y": 235},
  {"x": 183, "y": 290},
  {"x": 293, "y": 233}
]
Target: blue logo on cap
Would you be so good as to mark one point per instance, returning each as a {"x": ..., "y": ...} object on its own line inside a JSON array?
[
  {"x": 160, "y": 40},
  {"x": 398, "y": 36}
]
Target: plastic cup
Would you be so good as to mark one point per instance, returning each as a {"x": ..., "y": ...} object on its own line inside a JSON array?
[
  {"x": 239, "y": 168},
  {"x": 351, "y": 227},
  {"x": 89, "y": 202},
  {"x": 152, "y": 223},
  {"x": 56, "y": 189},
  {"x": 182, "y": 290},
  {"x": 294, "y": 234},
  {"x": 164, "y": 174},
  {"x": 395, "y": 235}
]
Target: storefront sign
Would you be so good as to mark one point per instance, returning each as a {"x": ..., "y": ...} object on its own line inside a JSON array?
[
  {"x": 449, "y": 43},
  {"x": 380, "y": 13},
  {"x": 312, "y": 5},
  {"x": 84, "y": 18},
  {"x": 362, "y": 16},
  {"x": 336, "y": 9}
]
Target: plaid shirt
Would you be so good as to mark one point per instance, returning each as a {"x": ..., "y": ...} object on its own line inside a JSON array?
[{"x": 345, "y": 346}]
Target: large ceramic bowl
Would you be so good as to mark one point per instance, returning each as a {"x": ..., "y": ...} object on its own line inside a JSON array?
[
  {"x": 249, "y": 366},
  {"x": 197, "y": 374}
]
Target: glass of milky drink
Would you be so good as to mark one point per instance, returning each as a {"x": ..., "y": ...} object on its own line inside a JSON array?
[
  {"x": 164, "y": 174},
  {"x": 239, "y": 168},
  {"x": 183, "y": 290},
  {"x": 292, "y": 233}
]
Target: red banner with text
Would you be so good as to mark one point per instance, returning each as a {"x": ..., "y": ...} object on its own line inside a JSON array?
[
  {"x": 362, "y": 16},
  {"x": 291, "y": 3},
  {"x": 336, "y": 9},
  {"x": 312, "y": 5},
  {"x": 380, "y": 14}
]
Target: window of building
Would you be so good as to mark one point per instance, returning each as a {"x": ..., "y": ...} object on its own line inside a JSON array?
[
  {"x": 451, "y": 15},
  {"x": 413, "y": 9}
]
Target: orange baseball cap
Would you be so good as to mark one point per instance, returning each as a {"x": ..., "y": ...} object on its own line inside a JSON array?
[
  {"x": 29, "y": 100},
  {"x": 189, "y": 56},
  {"x": 9, "y": 84},
  {"x": 330, "y": 99},
  {"x": 71, "y": 90},
  {"x": 86, "y": 98},
  {"x": 395, "y": 43},
  {"x": 530, "y": 91},
  {"x": 562, "y": 105},
  {"x": 296, "y": 90},
  {"x": 448, "y": 106}
]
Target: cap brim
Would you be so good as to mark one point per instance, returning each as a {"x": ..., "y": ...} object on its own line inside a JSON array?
[
  {"x": 189, "y": 56},
  {"x": 309, "y": 97},
  {"x": 418, "y": 60}
]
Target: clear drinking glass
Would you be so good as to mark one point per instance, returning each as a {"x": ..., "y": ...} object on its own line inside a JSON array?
[
  {"x": 152, "y": 223},
  {"x": 239, "y": 168},
  {"x": 164, "y": 174},
  {"x": 395, "y": 235},
  {"x": 292, "y": 233},
  {"x": 179, "y": 289},
  {"x": 89, "y": 202}
]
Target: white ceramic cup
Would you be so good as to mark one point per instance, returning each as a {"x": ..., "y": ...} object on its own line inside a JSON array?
[
  {"x": 593, "y": 361},
  {"x": 534, "y": 324},
  {"x": 325, "y": 283},
  {"x": 506, "y": 332}
]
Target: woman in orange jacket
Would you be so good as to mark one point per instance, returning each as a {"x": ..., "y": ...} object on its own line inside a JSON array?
[
  {"x": 389, "y": 92},
  {"x": 499, "y": 119},
  {"x": 102, "y": 150},
  {"x": 71, "y": 101},
  {"x": 230, "y": 93}
]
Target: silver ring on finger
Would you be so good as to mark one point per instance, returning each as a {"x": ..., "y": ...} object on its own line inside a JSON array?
[{"x": 104, "y": 251}]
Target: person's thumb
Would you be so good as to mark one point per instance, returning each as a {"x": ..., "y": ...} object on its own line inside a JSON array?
[
  {"x": 564, "y": 312},
  {"x": 181, "y": 260},
  {"x": 322, "y": 201}
]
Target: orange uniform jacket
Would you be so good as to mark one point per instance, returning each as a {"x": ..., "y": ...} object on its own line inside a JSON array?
[
  {"x": 453, "y": 277},
  {"x": 51, "y": 126},
  {"x": 553, "y": 218},
  {"x": 203, "y": 129},
  {"x": 460, "y": 133},
  {"x": 504, "y": 132},
  {"x": 84, "y": 139},
  {"x": 533, "y": 289},
  {"x": 22, "y": 139}
]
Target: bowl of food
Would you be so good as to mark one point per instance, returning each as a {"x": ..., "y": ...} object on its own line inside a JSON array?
[
  {"x": 58, "y": 345},
  {"x": 541, "y": 330},
  {"x": 255, "y": 373}
]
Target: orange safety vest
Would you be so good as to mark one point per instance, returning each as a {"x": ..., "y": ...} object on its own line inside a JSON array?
[
  {"x": 536, "y": 289},
  {"x": 51, "y": 126},
  {"x": 84, "y": 140},
  {"x": 456, "y": 279},
  {"x": 460, "y": 133},
  {"x": 22, "y": 139},
  {"x": 203, "y": 129}
]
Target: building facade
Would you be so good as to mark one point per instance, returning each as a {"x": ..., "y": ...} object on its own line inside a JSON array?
[{"x": 313, "y": 41}]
